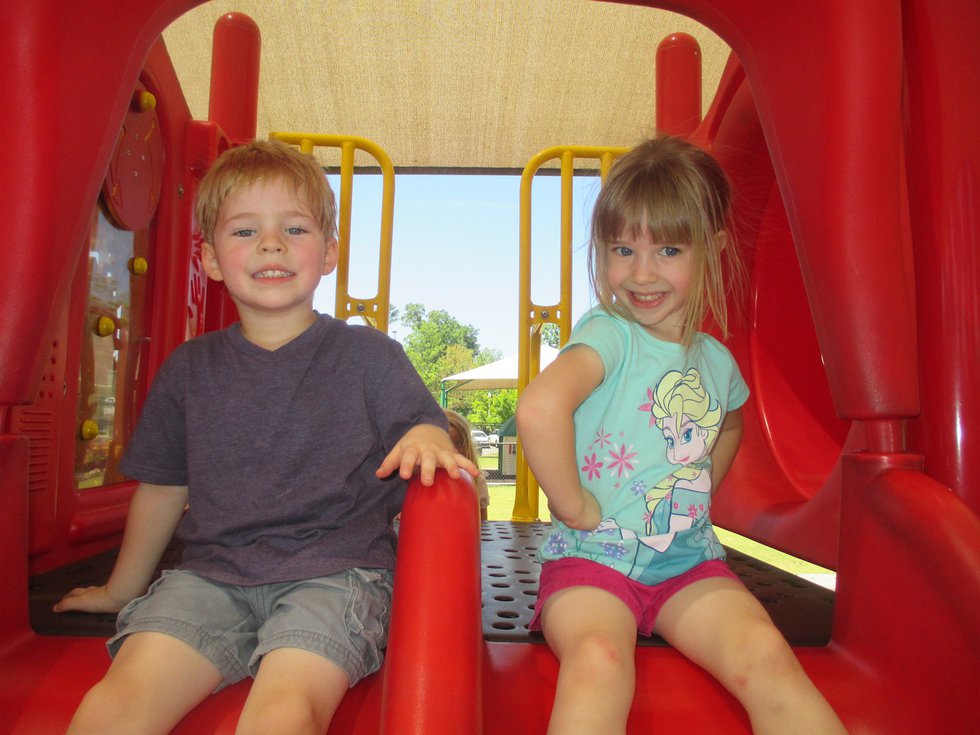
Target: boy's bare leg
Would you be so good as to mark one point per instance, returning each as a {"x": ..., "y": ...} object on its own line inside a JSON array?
[
  {"x": 154, "y": 680},
  {"x": 593, "y": 634},
  {"x": 295, "y": 691},
  {"x": 720, "y": 626}
]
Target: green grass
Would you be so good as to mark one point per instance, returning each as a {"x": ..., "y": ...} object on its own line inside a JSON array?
[
  {"x": 487, "y": 463},
  {"x": 502, "y": 503}
]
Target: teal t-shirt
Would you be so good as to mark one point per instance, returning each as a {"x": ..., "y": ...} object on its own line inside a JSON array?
[{"x": 643, "y": 439}]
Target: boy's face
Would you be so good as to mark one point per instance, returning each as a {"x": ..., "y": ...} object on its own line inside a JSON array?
[{"x": 269, "y": 250}]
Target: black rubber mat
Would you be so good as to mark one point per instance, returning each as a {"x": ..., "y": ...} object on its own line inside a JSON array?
[
  {"x": 46, "y": 589},
  {"x": 802, "y": 610}
]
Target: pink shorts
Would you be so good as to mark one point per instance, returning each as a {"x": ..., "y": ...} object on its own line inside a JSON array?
[{"x": 645, "y": 601}]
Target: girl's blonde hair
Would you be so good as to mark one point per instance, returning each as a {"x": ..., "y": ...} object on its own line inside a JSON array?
[
  {"x": 265, "y": 159},
  {"x": 680, "y": 194},
  {"x": 459, "y": 432}
]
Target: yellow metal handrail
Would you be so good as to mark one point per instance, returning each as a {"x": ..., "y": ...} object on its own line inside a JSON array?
[
  {"x": 532, "y": 317},
  {"x": 374, "y": 311}
]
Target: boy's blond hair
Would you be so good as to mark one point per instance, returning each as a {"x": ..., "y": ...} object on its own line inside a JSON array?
[
  {"x": 265, "y": 159},
  {"x": 681, "y": 195}
]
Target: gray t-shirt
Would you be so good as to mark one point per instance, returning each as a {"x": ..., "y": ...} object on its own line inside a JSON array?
[{"x": 279, "y": 449}]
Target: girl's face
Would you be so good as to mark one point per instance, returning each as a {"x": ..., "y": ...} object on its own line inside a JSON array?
[{"x": 651, "y": 281}]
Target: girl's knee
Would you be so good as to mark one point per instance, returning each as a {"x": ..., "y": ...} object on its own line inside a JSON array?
[
  {"x": 601, "y": 653},
  {"x": 761, "y": 657}
]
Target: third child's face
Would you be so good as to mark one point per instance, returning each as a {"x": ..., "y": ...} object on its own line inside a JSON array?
[
  {"x": 651, "y": 280},
  {"x": 269, "y": 250}
]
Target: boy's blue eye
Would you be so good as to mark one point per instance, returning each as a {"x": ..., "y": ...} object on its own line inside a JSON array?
[
  {"x": 243, "y": 232},
  {"x": 296, "y": 230}
]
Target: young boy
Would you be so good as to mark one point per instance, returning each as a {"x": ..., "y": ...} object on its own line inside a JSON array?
[{"x": 280, "y": 436}]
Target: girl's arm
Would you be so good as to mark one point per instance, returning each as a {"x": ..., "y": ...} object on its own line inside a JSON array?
[
  {"x": 153, "y": 516},
  {"x": 723, "y": 453},
  {"x": 547, "y": 432}
]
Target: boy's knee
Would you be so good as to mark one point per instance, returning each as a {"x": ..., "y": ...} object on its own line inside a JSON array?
[
  {"x": 106, "y": 710},
  {"x": 286, "y": 714}
]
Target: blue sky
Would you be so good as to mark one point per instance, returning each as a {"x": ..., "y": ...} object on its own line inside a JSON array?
[{"x": 455, "y": 247}]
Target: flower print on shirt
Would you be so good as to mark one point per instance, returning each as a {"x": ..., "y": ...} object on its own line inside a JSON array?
[{"x": 621, "y": 461}]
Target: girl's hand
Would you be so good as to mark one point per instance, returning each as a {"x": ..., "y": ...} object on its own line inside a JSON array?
[
  {"x": 586, "y": 517},
  {"x": 91, "y": 600},
  {"x": 427, "y": 447}
]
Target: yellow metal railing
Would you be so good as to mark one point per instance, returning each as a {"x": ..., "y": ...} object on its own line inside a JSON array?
[
  {"x": 533, "y": 317},
  {"x": 374, "y": 311}
]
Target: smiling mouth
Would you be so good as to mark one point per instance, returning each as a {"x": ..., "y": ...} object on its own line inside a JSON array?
[
  {"x": 647, "y": 299},
  {"x": 273, "y": 274}
]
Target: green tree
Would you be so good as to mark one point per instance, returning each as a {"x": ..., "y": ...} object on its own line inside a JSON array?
[
  {"x": 550, "y": 335},
  {"x": 439, "y": 346},
  {"x": 491, "y": 408}
]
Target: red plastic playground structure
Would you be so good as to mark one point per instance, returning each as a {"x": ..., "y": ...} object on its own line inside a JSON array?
[{"x": 848, "y": 126}]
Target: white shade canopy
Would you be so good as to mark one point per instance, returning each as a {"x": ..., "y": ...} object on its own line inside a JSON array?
[{"x": 495, "y": 375}]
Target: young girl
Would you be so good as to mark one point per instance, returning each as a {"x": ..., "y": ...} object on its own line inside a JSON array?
[
  {"x": 459, "y": 432},
  {"x": 630, "y": 431}
]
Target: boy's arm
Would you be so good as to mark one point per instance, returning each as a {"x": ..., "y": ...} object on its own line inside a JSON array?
[
  {"x": 547, "y": 431},
  {"x": 425, "y": 446},
  {"x": 726, "y": 445},
  {"x": 153, "y": 516}
]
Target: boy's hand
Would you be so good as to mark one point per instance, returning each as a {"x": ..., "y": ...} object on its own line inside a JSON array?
[
  {"x": 427, "y": 447},
  {"x": 90, "y": 599}
]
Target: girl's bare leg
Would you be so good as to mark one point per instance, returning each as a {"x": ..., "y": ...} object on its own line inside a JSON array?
[
  {"x": 720, "y": 626},
  {"x": 593, "y": 634}
]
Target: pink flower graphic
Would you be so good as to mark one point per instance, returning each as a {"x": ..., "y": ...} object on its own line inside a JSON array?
[
  {"x": 601, "y": 438},
  {"x": 591, "y": 466},
  {"x": 648, "y": 406},
  {"x": 620, "y": 462}
]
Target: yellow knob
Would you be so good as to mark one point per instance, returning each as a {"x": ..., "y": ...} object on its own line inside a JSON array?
[
  {"x": 138, "y": 266},
  {"x": 144, "y": 101},
  {"x": 104, "y": 326},
  {"x": 89, "y": 430}
]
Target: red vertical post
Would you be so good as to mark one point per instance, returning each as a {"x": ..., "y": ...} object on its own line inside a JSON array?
[
  {"x": 678, "y": 80},
  {"x": 434, "y": 663},
  {"x": 234, "y": 97}
]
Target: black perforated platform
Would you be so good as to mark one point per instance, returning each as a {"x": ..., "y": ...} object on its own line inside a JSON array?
[
  {"x": 46, "y": 589},
  {"x": 801, "y": 610}
]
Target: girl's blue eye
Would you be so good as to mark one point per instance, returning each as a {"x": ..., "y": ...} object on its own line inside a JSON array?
[
  {"x": 622, "y": 250},
  {"x": 670, "y": 442},
  {"x": 687, "y": 435},
  {"x": 670, "y": 251}
]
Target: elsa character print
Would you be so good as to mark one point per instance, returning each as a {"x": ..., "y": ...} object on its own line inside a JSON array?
[{"x": 681, "y": 408}]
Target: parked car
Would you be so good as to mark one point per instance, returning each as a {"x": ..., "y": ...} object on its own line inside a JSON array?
[
  {"x": 480, "y": 438},
  {"x": 494, "y": 438}
]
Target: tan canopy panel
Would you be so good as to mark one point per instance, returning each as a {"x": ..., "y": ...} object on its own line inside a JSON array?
[{"x": 459, "y": 85}]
